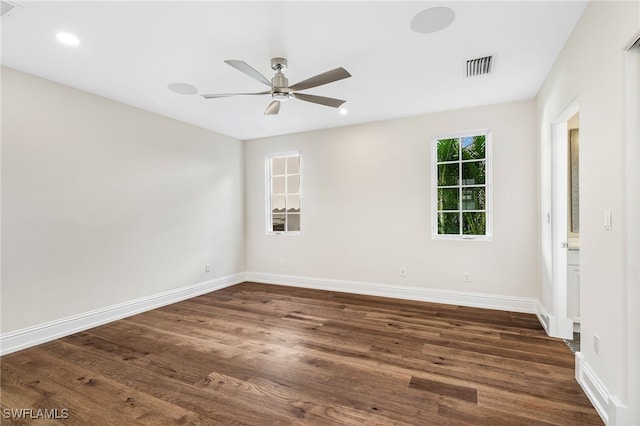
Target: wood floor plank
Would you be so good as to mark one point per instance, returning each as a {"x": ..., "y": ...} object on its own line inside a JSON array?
[
  {"x": 212, "y": 408},
  {"x": 99, "y": 391},
  {"x": 488, "y": 369},
  {"x": 463, "y": 393},
  {"x": 447, "y": 340},
  {"x": 536, "y": 408},
  {"x": 255, "y": 354},
  {"x": 69, "y": 392},
  {"x": 460, "y": 412},
  {"x": 302, "y": 406}
]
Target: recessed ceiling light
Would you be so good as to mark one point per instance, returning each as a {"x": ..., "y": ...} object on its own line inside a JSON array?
[
  {"x": 432, "y": 20},
  {"x": 68, "y": 39},
  {"x": 183, "y": 88},
  {"x": 343, "y": 111}
]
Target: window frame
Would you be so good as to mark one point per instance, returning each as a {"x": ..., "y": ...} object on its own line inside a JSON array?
[
  {"x": 268, "y": 192},
  {"x": 488, "y": 236}
]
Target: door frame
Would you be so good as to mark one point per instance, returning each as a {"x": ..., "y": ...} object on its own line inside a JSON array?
[
  {"x": 631, "y": 413},
  {"x": 560, "y": 324}
]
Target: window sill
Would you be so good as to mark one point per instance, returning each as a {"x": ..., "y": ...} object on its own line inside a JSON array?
[{"x": 485, "y": 238}]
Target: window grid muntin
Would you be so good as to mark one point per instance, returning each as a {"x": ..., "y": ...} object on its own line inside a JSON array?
[
  {"x": 461, "y": 211},
  {"x": 270, "y": 191}
]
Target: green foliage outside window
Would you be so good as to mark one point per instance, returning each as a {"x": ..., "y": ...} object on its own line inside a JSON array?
[{"x": 461, "y": 186}]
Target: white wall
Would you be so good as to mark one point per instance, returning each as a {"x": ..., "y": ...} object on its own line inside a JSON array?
[
  {"x": 103, "y": 203},
  {"x": 366, "y": 205},
  {"x": 591, "y": 67}
]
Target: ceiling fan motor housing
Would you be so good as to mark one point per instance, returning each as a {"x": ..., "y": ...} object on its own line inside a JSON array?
[
  {"x": 279, "y": 82},
  {"x": 280, "y": 90}
]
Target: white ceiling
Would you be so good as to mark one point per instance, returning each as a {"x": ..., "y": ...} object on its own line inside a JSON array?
[{"x": 131, "y": 52}]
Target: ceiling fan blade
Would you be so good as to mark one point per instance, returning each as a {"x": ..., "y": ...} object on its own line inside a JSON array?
[
  {"x": 248, "y": 70},
  {"x": 320, "y": 79},
  {"x": 224, "y": 95},
  {"x": 332, "y": 102},
  {"x": 273, "y": 108}
]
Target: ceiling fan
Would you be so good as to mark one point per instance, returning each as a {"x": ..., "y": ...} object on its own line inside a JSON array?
[{"x": 279, "y": 85}]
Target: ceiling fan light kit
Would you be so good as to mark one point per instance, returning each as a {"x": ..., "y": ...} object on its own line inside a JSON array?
[{"x": 279, "y": 85}]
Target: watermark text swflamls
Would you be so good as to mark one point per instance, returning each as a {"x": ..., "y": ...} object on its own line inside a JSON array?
[{"x": 33, "y": 413}]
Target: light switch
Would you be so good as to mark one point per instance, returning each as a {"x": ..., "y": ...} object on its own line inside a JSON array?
[{"x": 607, "y": 220}]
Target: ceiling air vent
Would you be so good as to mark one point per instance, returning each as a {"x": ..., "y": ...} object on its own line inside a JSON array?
[{"x": 479, "y": 66}]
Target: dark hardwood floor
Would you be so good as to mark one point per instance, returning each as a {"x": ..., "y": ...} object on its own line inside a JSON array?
[{"x": 260, "y": 354}]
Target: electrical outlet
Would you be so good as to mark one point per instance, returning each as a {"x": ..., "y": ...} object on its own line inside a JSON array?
[
  {"x": 207, "y": 267},
  {"x": 283, "y": 262},
  {"x": 403, "y": 271},
  {"x": 467, "y": 277},
  {"x": 596, "y": 344}
]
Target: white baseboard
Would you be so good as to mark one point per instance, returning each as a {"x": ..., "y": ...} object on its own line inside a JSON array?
[
  {"x": 543, "y": 316},
  {"x": 476, "y": 300},
  {"x": 610, "y": 409},
  {"x": 561, "y": 328},
  {"x": 31, "y": 336},
  {"x": 593, "y": 387}
]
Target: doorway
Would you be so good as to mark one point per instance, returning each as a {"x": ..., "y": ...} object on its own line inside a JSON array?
[{"x": 565, "y": 204}]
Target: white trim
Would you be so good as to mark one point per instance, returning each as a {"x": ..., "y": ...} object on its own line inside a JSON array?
[
  {"x": 42, "y": 333},
  {"x": 554, "y": 326},
  {"x": 543, "y": 316},
  {"x": 269, "y": 196},
  {"x": 607, "y": 405},
  {"x": 593, "y": 387},
  {"x": 476, "y": 300},
  {"x": 488, "y": 185},
  {"x": 460, "y": 134},
  {"x": 572, "y": 109},
  {"x": 560, "y": 325},
  {"x": 35, "y": 335},
  {"x": 632, "y": 233}
]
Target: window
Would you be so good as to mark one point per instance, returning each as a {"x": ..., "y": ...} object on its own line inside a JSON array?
[
  {"x": 461, "y": 192},
  {"x": 283, "y": 194}
]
